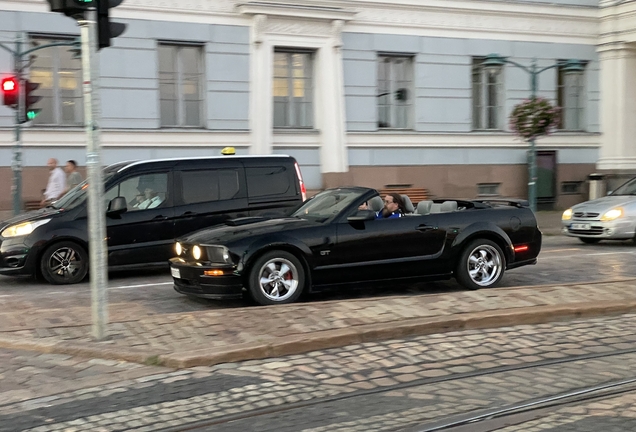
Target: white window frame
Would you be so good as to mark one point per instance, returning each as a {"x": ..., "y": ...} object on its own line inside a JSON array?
[
  {"x": 481, "y": 117},
  {"x": 580, "y": 98},
  {"x": 310, "y": 76},
  {"x": 180, "y": 102},
  {"x": 56, "y": 103},
  {"x": 394, "y": 85}
]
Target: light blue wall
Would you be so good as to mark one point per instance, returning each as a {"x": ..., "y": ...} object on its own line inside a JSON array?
[
  {"x": 129, "y": 72},
  {"x": 442, "y": 77}
]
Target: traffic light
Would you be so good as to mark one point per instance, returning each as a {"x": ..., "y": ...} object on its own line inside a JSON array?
[
  {"x": 107, "y": 30},
  {"x": 30, "y": 99},
  {"x": 10, "y": 91},
  {"x": 71, "y": 8}
]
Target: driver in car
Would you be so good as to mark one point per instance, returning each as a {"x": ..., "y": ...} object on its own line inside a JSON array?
[{"x": 393, "y": 207}]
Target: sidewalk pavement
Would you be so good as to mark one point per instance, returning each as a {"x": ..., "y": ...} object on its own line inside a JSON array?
[{"x": 205, "y": 338}]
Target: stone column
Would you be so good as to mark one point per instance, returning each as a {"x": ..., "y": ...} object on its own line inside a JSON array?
[
  {"x": 261, "y": 71},
  {"x": 333, "y": 148},
  {"x": 618, "y": 108}
]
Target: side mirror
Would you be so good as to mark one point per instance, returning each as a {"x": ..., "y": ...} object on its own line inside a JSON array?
[
  {"x": 362, "y": 216},
  {"x": 117, "y": 206},
  {"x": 609, "y": 193}
]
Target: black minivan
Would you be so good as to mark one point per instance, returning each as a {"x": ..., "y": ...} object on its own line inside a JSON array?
[{"x": 165, "y": 199}]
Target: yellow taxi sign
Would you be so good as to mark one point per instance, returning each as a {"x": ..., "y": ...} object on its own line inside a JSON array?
[{"x": 228, "y": 151}]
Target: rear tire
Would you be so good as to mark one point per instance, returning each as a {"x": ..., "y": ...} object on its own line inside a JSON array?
[
  {"x": 276, "y": 277},
  {"x": 481, "y": 265},
  {"x": 64, "y": 263},
  {"x": 588, "y": 240}
]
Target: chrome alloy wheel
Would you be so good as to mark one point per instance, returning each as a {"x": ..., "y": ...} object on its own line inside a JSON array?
[
  {"x": 278, "y": 279},
  {"x": 484, "y": 265},
  {"x": 65, "y": 262}
]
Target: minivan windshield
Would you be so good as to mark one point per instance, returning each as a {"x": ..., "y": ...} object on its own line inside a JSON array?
[
  {"x": 327, "y": 204},
  {"x": 77, "y": 195},
  {"x": 628, "y": 188}
]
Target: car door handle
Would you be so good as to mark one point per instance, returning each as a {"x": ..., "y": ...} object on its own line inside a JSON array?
[
  {"x": 425, "y": 227},
  {"x": 160, "y": 217},
  {"x": 188, "y": 213}
]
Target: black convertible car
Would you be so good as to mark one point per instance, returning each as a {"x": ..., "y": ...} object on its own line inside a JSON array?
[{"x": 328, "y": 241}]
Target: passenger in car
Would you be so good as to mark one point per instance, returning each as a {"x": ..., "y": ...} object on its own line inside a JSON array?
[
  {"x": 393, "y": 207},
  {"x": 148, "y": 200}
]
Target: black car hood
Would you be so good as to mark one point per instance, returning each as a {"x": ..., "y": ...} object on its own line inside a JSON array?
[
  {"x": 223, "y": 234},
  {"x": 31, "y": 216}
]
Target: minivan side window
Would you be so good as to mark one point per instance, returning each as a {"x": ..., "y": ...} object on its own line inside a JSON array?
[
  {"x": 209, "y": 185},
  {"x": 264, "y": 181},
  {"x": 142, "y": 192}
]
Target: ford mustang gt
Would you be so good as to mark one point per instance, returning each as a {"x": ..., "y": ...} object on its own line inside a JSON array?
[{"x": 331, "y": 241}]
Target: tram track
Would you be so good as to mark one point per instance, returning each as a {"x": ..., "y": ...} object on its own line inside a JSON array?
[{"x": 456, "y": 422}]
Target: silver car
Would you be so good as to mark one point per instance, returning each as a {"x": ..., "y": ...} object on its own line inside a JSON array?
[{"x": 612, "y": 217}]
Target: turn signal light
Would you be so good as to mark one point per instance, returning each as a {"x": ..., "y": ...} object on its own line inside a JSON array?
[{"x": 213, "y": 272}]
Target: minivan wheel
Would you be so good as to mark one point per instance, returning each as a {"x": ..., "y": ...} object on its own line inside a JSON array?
[
  {"x": 64, "y": 263},
  {"x": 277, "y": 277},
  {"x": 481, "y": 265}
]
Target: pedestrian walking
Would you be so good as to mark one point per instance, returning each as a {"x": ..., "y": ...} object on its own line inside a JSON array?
[
  {"x": 73, "y": 177},
  {"x": 56, "y": 184}
]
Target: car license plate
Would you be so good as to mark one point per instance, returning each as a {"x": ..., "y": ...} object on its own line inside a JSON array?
[
  {"x": 580, "y": 226},
  {"x": 175, "y": 273}
]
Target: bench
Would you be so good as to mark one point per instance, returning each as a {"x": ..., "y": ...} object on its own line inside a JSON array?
[
  {"x": 31, "y": 205},
  {"x": 415, "y": 194}
]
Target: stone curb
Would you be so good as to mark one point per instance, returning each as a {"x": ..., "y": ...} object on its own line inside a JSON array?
[
  {"x": 393, "y": 330},
  {"x": 303, "y": 343}
]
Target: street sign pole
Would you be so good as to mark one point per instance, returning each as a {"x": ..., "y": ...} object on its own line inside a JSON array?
[
  {"x": 96, "y": 212},
  {"x": 16, "y": 163}
]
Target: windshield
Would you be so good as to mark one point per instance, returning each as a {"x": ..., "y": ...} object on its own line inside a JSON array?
[
  {"x": 328, "y": 204},
  {"x": 628, "y": 188},
  {"x": 77, "y": 195}
]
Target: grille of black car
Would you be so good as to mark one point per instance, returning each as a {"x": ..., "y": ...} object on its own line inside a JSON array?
[
  {"x": 591, "y": 231},
  {"x": 585, "y": 215}
]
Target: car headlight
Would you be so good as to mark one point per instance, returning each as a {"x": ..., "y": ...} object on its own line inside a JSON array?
[
  {"x": 219, "y": 255},
  {"x": 196, "y": 252},
  {"x": 178, "y": 249},
  {"x": 612, "y": 214},
  {"x": 567, "y": 215},
  {"x": 22, "y": 229}
]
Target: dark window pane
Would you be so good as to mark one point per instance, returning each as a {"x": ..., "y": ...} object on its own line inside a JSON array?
[
  {"x": 228, "y": 184},
  {"x": 268, "y": 181},
  {"x": 199, "y": 186}
]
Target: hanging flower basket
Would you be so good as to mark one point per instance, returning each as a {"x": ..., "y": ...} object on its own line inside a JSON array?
[{"x": 534, "y": 117}]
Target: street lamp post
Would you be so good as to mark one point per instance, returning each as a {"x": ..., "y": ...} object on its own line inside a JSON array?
[{"x": 569, "y": 66}]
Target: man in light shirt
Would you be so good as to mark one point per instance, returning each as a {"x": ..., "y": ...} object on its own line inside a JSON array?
[{"x": 56, "y": 184}]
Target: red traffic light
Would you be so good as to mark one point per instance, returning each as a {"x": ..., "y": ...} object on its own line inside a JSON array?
[
  {"x": 10, "y": 91},
  {"x": 9, "y": 84}
]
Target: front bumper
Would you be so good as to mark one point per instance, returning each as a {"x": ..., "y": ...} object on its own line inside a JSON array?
[
  {"x": 16, "y": 258},
  {"x": 193, "y": 282},
  {"x": 611, "y": 230}
]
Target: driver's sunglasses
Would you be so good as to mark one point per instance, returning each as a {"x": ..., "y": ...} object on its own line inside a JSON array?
[{"x": 388, "y": 202}]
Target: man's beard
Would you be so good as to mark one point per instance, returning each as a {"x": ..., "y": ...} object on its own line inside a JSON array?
[{"x": 386, "y": 212}]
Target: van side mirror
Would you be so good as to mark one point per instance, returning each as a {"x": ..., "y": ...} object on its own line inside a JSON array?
[
  {"x": 117, "y": 206},
  {"x": 362, "y": 216}
]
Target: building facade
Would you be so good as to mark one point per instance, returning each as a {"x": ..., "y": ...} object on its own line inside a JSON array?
[{"x": 371, "y": 93}]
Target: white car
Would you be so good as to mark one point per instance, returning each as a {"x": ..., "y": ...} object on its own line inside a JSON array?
[{"x": 612, "y": 217}]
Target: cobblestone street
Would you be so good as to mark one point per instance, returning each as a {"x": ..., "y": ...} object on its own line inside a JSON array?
[{"x": 389, "y": 385}]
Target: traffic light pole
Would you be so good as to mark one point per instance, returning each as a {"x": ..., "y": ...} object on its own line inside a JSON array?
[
  {"x": 96, "y": 211},
  {"x": 16, "y": 163}
]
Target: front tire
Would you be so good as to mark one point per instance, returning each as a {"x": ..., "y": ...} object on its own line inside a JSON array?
[
  {"x": 64, "y": 263},
  {"x": 277, "y": 277},
  {"x": 481, "y": 265},
  {"x": 588, "y": 240}
]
